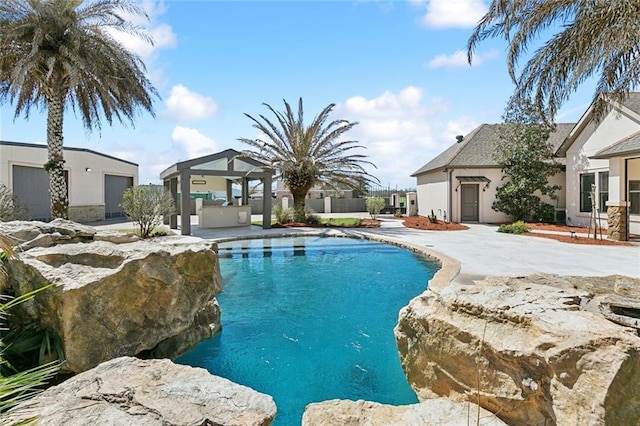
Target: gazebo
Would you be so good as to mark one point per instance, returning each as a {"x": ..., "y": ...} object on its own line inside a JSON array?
[{"x": 230, "y": 165}]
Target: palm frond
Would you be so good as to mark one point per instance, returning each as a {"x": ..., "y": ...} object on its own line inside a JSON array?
[{"x": 594, "y": 38}]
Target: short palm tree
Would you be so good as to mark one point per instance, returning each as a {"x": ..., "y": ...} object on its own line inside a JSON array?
[
  {"x": 306, "y": 156},
  {"x": 60, "y": 53},
  {"x": 17, "y": 386},
  {"x": 594, "y": 38}
]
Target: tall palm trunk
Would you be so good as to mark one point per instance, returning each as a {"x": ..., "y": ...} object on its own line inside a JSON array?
[
  {"x": 55, "y": 165},
  {"x": 299, "y": 195}
]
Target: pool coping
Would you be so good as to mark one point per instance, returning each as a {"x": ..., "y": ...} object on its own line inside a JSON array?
[{"x": 449, "y": 267}]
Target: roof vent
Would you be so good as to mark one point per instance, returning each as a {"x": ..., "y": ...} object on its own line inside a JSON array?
[{"x": 460, "y": 138}]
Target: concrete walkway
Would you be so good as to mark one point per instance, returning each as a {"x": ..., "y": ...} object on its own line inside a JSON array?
[{"x": 481, "y": 251}]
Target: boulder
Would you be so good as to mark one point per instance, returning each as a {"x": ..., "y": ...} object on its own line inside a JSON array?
[
  {"x": 29, "y": 234},
  {"x": 533, "y": 350},
  {"x": 432, "y": 412},
  {"x": 152, "y": 298},
  {"x": 130, "y": 391}
]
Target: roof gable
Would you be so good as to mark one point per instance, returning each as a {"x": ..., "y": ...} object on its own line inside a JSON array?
[
  {"x": 630, "y": 107},
  {"x": 476, "y": 149}
]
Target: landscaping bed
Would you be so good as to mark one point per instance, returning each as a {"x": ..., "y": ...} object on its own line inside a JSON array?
[{"x": 423, "y": 223}]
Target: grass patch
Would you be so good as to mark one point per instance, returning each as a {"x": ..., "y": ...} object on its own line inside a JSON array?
[{"x": 340, "y": 222}]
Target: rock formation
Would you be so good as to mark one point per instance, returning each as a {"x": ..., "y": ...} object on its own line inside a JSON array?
[
  {"x": 432, "y": 412},
  {"x": 153, "y": 298},
  {"x": 130, "y": 391},
  {"x": 534, "y": 350}
]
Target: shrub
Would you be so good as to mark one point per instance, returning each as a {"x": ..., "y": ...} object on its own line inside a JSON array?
[
  {"x": 8, "y": 209},
  {"x": 146, "y": 205},
  {"x": 514, "y": 228},
  {"x": 282, "y": 215},
  {"x": 432, "y": 217},
  {"x": 545, "y": 213},
  {"x": 311, "y": 218},
  {"x": 374, "y": 205},
  {"x": 160, "y": 232},
  {"x": 19, "y": 384}
]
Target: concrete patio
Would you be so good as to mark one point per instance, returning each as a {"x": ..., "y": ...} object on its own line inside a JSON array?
[{"x": 480, "y": 251}]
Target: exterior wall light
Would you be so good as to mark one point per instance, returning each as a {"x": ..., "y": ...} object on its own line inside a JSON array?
[{"x": 87, "y": 169}]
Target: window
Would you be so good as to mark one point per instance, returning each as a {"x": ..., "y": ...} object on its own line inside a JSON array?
[
  {"x": 586, "y": 180},
  {"x": 634, "y": 196},
  {"x": 603, "y": 191}
]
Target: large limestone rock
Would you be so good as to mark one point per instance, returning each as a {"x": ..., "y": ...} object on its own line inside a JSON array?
[
  {"x": 152, "y": 298},
  {"x": 535, "y": 350},
  {"x": 128, "y": 391},
  {"x": 432, "y": 412}
]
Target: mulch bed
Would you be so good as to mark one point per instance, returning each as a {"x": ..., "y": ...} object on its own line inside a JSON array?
[
  {"x": 579, "y": 240},
  {"x": 423, "y": 223}
]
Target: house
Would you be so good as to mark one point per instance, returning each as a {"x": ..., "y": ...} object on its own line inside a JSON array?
[
  {"x": 459, "y": 185},
  {"x": 95, "y": 181},
  {"x": 604, "y": 155},
  {"x": 600, "y": 185}
]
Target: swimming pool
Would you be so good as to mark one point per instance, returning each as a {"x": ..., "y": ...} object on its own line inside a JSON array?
[{"x": 310, "y": 319}]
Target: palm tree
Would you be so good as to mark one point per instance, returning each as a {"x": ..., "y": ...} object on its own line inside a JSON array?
[
  {"x": 305, "y": 156},
  {"x": 60, "y": 53},
  {"x": 595, "y": 38}
]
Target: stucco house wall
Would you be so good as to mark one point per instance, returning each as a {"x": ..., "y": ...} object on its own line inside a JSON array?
[
  {"x": 470, "y": 161},
  {"x": 589, "y": 139},
  {"x": 87, "y": 171},
  {"x": 432, "y": 189}
]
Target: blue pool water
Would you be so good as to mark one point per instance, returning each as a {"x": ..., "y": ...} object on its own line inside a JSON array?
[{"x": 311, "y": 319}]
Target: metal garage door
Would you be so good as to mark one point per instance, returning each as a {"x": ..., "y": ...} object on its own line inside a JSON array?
[
  {"x": 31, "y": 189},
  {"x": 114, "y": 187}
]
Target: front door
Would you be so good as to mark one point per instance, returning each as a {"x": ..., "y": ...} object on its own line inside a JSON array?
[{"x": 470, "y": 212}]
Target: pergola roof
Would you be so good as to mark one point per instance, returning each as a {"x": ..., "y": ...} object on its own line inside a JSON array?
[{"x": 229, "y": 164}]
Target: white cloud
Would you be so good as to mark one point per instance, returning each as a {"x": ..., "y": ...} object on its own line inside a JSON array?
[
  {"x": 453, "y": 13},
  {"x": 185, "y": 105},
  {"x": 401, "y": 131},
  {"x": 193, "y": 143},
  {"x": 458, "y": 59},
  {"x": 161, "y": 33}
]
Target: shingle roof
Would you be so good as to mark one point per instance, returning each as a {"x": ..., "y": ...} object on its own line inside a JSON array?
[
  {"x": 476, "y": 149},
  {"x": 626, "y": 146},
  {"x": 633, "y": 102}
]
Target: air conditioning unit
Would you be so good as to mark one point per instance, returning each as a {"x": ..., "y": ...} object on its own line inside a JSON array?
[{"x": 561, "y": 216}]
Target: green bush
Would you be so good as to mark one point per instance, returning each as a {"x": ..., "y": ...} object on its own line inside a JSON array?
[
  {"x": 311, "y": 218},
  {"x": 374, "y": 205},
  {"x": 545, "y": 213},
  {"x": 514, "y": 228},
  {"x": 146, "y": 205},
  {"x": 160, "y": 232},
  {"x": 19, "y": 381},
  {"x": 282, "y": 215}
]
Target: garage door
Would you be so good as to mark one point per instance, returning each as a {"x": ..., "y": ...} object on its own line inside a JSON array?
[
  {"x": 31, "y": 189},
  {"x": 114, "y": 187}
]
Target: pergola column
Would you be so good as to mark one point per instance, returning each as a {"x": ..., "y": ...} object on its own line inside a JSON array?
[
  {"x": 266, "y": 202},
  {"x": 173, "y": 188},
  {"x": 185, "y": 202}
]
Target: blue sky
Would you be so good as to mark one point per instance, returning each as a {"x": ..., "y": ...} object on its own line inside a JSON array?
[{"x": 397, "y": 67}]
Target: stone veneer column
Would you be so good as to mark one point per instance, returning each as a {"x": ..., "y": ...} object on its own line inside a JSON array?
[{"x": 617, "y": 223}]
